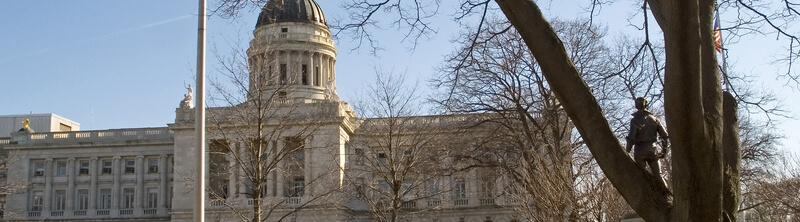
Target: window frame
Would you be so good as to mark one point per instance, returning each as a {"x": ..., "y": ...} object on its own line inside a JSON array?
[
  {"x": 104, "y": 199},
  {"x": 130, "y": 168},
  {"x": 61, "y": 168},
  {"x": 37, "y": 200},
  {"x": 152, "y": 198},
  {"x": 59, "y": 200},
  {"x": 38, "y": 168},
  {"x": 128, "y": 198},
  {"x": 82, "y": 199},
  {"x": 150, "y": 167},
  {"x": 83, "y": 170},
  {"x": 109, "y": 168}
]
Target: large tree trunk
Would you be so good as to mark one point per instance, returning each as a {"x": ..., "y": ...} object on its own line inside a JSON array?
[
  {"x": 732, "y": 153},
  {"x": 646, "y": 195},
  {"x": 693, "y": 105}
]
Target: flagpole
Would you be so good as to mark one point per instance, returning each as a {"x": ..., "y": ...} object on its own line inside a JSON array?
[
  {"x": 723, "y": 55},
  {"x": 200, "y": 116}
]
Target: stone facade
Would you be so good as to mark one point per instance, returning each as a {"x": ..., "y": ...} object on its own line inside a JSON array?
[{"x": 146, "y": 174}]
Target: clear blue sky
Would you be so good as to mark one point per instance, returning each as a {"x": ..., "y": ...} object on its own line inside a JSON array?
[{"x": 122, "y": 64}]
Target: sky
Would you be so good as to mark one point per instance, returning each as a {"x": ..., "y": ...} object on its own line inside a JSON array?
[{"x": 123, "y": 64}]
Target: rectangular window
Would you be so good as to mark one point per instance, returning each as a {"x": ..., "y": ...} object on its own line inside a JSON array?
[
  {"x": 382, "y": 157},
  {"x": 407, "y": 190},
  {"x": 299, "y": 186},
  {"x": 83, "y": 167},
  {"x": 294, "y": 187},
  {"x": 152, "y": 165},
  {"x": 152, "y": 198},
  {"x": 432, "y": 187},
  {"x": 104, "y": 199},
  {"x": 296, "y": 146},
  {"x": 270, "y": 74},
  {"x": 107, "y": 166},
  {"x": 407, "y": 155},
  {"x": 61, "y": 168},
  {"x": 284, "y": 75},
  {"x": 459, "y": 189},
  {"x": 316, "y": 76},
  {"x": 130, "y": 166},
  {"x": 60, "y": 200},
  {"x": 37, "y": 200},
  {"x": 128, "y": 198},
  {"x": 358, "y": 159},
  {"x": 83, "y": 199},
  {"x": 38, "y": 169},
  {"x": 359, "y": 187},
  {"x": 304, "y": 69},
  {"x": 383, "y": 188}
]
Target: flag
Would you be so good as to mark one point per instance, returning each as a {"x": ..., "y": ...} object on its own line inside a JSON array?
[{"x": 717, "y": 35}]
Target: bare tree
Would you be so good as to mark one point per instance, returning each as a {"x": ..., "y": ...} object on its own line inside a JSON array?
[
  {"x": 8, "y": 159},
  {"x": 262, "y": 137},
  {"x": 545, "y": 163},
  {"x": 397, "y": 167},
  {"x": 773, "y": 195}
]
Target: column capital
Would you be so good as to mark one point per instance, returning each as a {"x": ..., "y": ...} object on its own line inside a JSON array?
[
  {"x": 71, "y": 159},
  {"x": 94, "y": 158},
  {"x": 117, "y": 157},
  {"x": 140, "y": 157},
  {"x": 162, "y": 156},
  {"x": 49, "y": 159}
]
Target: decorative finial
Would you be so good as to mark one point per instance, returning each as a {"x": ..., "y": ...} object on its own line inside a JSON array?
[{"x": 26, "y": 123}]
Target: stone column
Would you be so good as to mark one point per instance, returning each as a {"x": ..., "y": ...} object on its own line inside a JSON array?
[
  {"x": 232, "y": 171},
  {"x": 48, "y": 186},
  {"x": 115, "y": 196},
  {"x": 278, "y": 74},
  {"x": 162, "y": 179},
  {"x": 291, "y": 75},
  {"x": 311, "y": 68},
  {"x": 70, "y": 185},
  {"x": 307, "y": 170},
  {"x": 279, "y": 176},
  {"x": 330, "y": 70},
  {"x": 139, "y": 190},
  {"x": 93, "y": 184}
]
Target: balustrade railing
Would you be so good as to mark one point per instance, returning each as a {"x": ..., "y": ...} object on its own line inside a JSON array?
[
  {"x": 218, "y": 202},
  {"x": 461, "y": 202},
  {"x": 96, "y": 135},
  {"x": 409, "y": 205},
  {"x": 293, "y": 201}
]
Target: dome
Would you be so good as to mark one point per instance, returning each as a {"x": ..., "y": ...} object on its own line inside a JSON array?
[{"x": 276, "y": 11}]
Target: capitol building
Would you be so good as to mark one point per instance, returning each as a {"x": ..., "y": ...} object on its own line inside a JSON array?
[{"x": 290, "y": 150}]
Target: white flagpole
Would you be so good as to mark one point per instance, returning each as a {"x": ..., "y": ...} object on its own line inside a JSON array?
[{"x": 200, "y": 116}]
